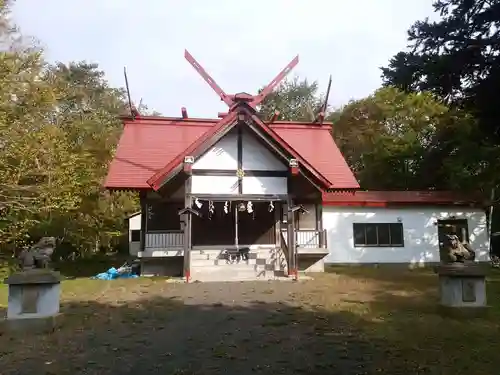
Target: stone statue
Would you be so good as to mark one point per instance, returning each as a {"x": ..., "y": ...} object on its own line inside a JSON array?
[
  {"x": 38, "y": 256},
  {"x": 456, "y": 251}
]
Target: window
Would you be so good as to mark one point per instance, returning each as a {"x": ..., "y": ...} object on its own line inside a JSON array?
[
  {"x": 135, "y": 235},
  {"x": 378, "y": 235}
]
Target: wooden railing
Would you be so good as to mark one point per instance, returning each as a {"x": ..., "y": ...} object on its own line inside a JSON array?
[
  {"x": 169, "y": 239},
  {"x": 284, "y": 246},
  {"x": 309, "y": 238}
]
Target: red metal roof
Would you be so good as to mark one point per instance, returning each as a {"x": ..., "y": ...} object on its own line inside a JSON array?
[
  {"x": 316, "y": 145},
  {"x": 148, "y": 144},
  {"x": 388, "y": 198}
]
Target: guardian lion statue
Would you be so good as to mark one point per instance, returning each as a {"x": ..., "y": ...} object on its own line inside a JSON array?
[
  {"x": 456, "y": 251},
  {"x": 38, "y": 256}
]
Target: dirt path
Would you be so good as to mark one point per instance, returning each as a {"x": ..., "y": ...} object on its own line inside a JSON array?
[{"x": 205, "y": 328}]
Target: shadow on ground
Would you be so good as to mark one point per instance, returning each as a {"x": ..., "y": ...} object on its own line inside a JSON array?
[
  {"x": 332, "y": 325},
  {"x": 170, "y": 335}
]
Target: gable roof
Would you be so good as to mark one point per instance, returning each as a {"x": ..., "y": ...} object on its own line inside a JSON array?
[{"x": 152, "y": 147}]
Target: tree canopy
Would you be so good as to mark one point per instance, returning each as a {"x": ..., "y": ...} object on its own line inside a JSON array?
[
  {"x": 58, "y": 130},
  {"x": 413, "y": 140},
  {"x": 295, "y": 99},
  {"x": 456, "y": 58}
]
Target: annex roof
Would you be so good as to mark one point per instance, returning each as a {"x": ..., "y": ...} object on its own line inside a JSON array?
[{"x": 401, "y": 198}]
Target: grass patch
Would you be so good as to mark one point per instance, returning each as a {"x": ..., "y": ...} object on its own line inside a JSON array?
[{"x": 401, "y": 314}]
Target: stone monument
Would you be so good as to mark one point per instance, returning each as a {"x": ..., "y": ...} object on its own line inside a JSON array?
[
  {"x": 462, "y": 281},
  {"x": 34, "y": 292}
]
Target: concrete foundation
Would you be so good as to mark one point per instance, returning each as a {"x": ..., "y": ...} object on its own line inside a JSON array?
[
  {"x": 462, "y": 286},
  {"x": 34, "y": 300}
]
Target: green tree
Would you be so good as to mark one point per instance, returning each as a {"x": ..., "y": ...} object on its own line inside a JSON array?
[
  {"x": 296, "y": 100},
  {"x": 87, "y": 111},
  {"x": 58, "y": 131},
  {"x": 456, "y": 58},
  {"x": 395, "y": 141}
]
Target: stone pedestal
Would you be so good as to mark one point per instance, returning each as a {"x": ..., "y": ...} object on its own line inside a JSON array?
[
  {"x": 34, "y": 300},
  {"x": 462, "y": 288}
]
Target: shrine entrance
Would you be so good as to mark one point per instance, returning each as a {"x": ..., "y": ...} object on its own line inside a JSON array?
[{"x": 228, "y": 224}]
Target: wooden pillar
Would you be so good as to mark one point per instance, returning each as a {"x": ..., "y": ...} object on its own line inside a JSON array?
[
  {"x": 277, "y": 224},
  {"x": 236, "y": 228},
  {"x": 187, "y": 230},
  {"x": 292, "y": 267},
  {"x": 144, "y": 221},
  {"x": 319, "y": 224}
]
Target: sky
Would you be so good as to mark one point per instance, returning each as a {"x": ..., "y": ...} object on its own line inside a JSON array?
[{"x": 243, "y": 45}]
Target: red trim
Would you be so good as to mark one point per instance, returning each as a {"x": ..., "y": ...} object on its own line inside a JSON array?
[
  {"x": 400, "y": 198},
  {"x": 156, "y": 180},
  {"x": 399, "y": 204},
  {"x": 187, "y": 168}
]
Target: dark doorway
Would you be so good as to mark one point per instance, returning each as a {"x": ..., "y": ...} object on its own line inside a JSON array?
[
  {"x": 215, "y": 229},
  {"x": 257, "y": 227},
  {"x": 254, "y": 228}
]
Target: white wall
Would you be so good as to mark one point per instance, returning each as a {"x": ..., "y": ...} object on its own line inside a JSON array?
[
  {"x": 420, "y": 233},
  {"x": 265, "y": 185},
  {"x": 223, "y": 155},
  {"x": 134, "y": 223},
  {"x": 214, "y": 184},
  {"x": 257, "y": 157}
]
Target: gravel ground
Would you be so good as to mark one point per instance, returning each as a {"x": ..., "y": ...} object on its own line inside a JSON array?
[{"x": 155, "y": 327}]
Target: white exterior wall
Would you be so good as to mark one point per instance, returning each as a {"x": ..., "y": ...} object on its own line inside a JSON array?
[
  {"x": 419, "y": 230},
  {"x": 134, "y": 223}
]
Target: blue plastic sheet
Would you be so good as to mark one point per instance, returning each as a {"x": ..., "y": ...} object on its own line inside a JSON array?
[{"x": 113, "y": 274}]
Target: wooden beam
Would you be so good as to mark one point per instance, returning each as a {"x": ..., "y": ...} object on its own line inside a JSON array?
[
  {"x": 144, "y": 217},
  {"x": 187, "y": 231}
]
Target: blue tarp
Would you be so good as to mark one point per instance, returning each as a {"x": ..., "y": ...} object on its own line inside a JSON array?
[{"x": 114, "y": 273}]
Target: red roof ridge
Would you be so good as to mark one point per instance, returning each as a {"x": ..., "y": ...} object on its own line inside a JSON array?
[
  {"x": 278, "y": 123},
  {"x": 161, "y": 119}
]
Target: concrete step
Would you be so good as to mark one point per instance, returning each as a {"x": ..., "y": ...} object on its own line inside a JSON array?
[
  {"x": 228, "y": 275},
  {"x": 250, "y": 264},
  {"x": 232, "y": 266},
  {"x": 219, "y": 254}
]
